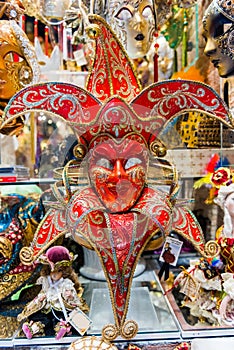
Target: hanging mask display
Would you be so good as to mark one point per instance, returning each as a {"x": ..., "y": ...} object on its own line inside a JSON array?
[
  {"x": 18, "y": 64},
  {"x": 134, "y": 24},
  {"x": 218, "y": 24},
  {"x": 17, "y": 60}
]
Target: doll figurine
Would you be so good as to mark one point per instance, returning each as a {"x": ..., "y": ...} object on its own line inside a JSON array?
[
  {"x": 225, "y": 234},
  {"x": 225, "y": 314},
  {"x": 60, "y": 293},
  {"x": 209, "y": 293}
]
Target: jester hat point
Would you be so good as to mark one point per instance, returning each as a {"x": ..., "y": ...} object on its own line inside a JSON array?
[{"x": 113, "y": 80}]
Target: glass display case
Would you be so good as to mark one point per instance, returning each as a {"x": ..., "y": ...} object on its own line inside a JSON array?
[
  {"x": 148, "y": 306},
  {"x": 107, "y": 171},
  {"x": 159, "y": 316}
]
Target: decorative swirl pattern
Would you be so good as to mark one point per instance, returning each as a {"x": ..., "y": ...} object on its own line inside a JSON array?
[
  {"x": 26, "y": 256},
  {"x": 145, "y": 116},
  {"x": 129, "y": 329},
  {"x": 158, "y": 149},
  {"x": 170, "y": 98},
  {"x": 212, "y": 249},
  {"x": 51, "y": 228},
  {"x": 68, "y": 101},
  {"x": 112, "y": 72},
  {"x": 110, "y": 332},
  {"x": 10, "y": 283}
]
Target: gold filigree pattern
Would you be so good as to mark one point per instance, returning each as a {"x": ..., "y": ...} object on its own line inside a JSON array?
[
  {"x": 92, "y": 343},
  {"x": 26, "y": 256},
  {"x": 112, "y": 72},
  {"x": 9, "y": 283},
  {"x": 212, "y": 249},
  {"x": 129, "y": 329},
  {"x": 6, "y": 247},
  {"x": 8, "y": 326},
  {"x": 110, "y": 332},
  {"x": 158, "y": 149}
]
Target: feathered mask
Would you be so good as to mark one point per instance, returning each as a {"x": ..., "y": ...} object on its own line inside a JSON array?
[{"x": 219, "y": 175}]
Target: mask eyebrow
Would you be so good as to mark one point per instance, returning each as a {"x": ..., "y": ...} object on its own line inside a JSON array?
[{"x": 117, "y": 15}]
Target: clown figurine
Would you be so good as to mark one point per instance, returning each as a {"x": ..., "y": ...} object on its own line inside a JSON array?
[{"x": 60, "y": 293}]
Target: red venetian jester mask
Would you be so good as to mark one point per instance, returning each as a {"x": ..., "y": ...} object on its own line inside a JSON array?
[
  {"x": 117, "y": 172},
  {"x": 119, "y": 214}
]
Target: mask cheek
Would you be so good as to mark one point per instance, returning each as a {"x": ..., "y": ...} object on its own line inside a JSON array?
[
  {"x": 226, "y": 44},
  {"x": 137, "y": 176},
  {"x": 98, "y": 179},
  {"x": 119, "y": 195}
]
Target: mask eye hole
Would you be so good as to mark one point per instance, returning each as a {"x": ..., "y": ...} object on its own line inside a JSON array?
[
  {"x": 228, "y": 27},
  {"x": 147, "y": 12},
  {"x": 104, "y": 163},
  {"x": 124, "y": 14},
  {"x": 219, "y": 30},
  {"x": 132, "y": 162},
  {"x": 13, "y": 57}
]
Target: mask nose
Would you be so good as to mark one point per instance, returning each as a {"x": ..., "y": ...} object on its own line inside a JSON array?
[
  {"x": 210, "y": 48},
  {"x": 119, "y": 170}
]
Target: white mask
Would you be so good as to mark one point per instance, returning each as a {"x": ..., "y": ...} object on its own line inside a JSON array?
[{"x": 134, "y": 24}]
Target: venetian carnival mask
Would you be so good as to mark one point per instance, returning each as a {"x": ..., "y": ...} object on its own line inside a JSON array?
[
  {"x": 118, "y": 125},
  {"x": 48, "y": 11},
  {"x": 118, "y": 173},
  {"x": 53, "y": 8},
  {"x": 134, "y": 24},
  {"x": 218, "y": 24},
  {"x": 15, "y": 70}
]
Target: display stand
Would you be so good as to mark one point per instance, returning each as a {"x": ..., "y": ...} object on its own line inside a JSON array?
[{"x": 92, "y": 268}]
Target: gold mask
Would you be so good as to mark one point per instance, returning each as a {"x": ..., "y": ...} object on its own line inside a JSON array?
[{"x": 18, "y": 64}]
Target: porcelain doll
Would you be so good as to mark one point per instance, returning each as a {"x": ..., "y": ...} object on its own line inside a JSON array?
[
  {"x": 225, "y": 234},
  {"x": 209, "y": 297},
  {"x": 222, "y": 285},
  {"x": 201, "y": 284},
  {"x": 60, "y": 293},
  {"x": 225, "y": 312}
]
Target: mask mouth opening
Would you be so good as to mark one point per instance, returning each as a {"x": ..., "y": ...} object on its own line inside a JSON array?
[{"x": 139, "y": 37}]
